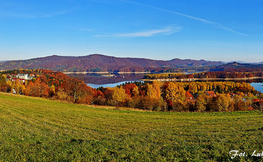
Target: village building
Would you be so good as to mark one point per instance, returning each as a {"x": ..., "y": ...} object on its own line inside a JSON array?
[
  {"x": 15, "y": 79},
  {"x": 189, "y": 96},
  {"x": 210, "y": 93},
  {"x": 257, "y": 100},
  {"x": 232, "y": 95},
  {"x": 24, "y": 76}
]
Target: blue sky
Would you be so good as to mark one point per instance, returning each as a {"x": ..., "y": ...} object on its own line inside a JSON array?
[{"x": 219, "y": 30}]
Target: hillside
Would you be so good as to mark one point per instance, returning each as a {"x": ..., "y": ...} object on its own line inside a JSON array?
[
  {"x": 97, "y": 62},
  {"x": 35, "y": 129},
  {"x": 194, "y": 63},
  {"x": 239, "y": 67}
]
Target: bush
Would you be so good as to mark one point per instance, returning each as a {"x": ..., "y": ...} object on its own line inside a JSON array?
[
  {"x": 134, "y": 102},
  {"x": 100, "y": 100}
]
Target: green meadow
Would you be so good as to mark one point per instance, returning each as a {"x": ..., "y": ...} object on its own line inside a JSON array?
[{"x": 36, "y": 129}]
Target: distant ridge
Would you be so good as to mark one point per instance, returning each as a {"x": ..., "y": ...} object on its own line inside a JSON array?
[
  {"x": 243, "y": 62},
  {"x": 99, "y": 62},
  {"x": 236, "y": 65}
]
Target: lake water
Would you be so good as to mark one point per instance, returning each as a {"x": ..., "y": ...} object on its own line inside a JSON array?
[
  {"x": 258, "y": 86},
  {"x": 105, "y": 85},
  {"x": 97, "y": 80}
]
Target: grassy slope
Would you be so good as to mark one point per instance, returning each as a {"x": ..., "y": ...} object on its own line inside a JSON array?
[{"x": 34, "y": 129}]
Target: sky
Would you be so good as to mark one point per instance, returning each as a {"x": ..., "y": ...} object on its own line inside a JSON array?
[{"x": 216, "y": 30}]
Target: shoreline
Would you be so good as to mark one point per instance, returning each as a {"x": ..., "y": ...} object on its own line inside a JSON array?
[
  {"x": 105, "y": 72},
  {"x": 200, "y": 79}
]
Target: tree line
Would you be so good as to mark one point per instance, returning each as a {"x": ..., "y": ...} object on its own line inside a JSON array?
[
  {"x": 221, "y": 74},
  {"x": 154, "y": 96}
]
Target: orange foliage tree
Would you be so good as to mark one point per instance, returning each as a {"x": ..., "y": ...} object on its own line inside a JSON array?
[{"x": 37, "y": 89}]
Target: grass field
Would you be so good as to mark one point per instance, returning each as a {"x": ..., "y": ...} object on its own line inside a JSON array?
[{"x": 35, "y": 129}]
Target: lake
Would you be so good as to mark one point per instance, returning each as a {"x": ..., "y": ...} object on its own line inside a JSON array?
[
  {"x": 258, "y": 86},
  {"x": 98, "y": 80}
]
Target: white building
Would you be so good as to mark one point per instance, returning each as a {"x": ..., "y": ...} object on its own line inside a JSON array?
[{"x": 24, "y": 76}]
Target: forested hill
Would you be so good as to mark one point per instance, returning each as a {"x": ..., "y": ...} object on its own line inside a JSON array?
[
  {"x": 97, "y": 62},
  {"x": 238, "y": 67}
]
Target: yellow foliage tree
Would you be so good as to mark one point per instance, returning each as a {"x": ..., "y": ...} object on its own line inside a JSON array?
[
  {"x": 118, "y": 95},
  {"x": 175, "y": 93},
  {"x": 135, "y": 91},
  {"x": 53, "y": 90},
  {"x": 153, "y": 90},
  {"x": 201, "y": 103},
  {"x": 222, "y": 102}
]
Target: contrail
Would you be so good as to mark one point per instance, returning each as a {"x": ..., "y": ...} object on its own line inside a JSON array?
[
  {"x": 168, "y": 30},
  {"x": 188, "y": 16}
]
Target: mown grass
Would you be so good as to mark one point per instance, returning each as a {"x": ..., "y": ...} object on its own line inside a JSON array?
[{"x": 34, "y": 129}]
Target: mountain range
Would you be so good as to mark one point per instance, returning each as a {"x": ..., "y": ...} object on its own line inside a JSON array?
[
  {"x": 3, "y": 61},
  {"x": 238, "y": 67},
  {"x": 98, "y": 62}
]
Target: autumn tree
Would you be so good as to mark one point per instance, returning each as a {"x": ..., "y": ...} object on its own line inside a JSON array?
[
  {"x": 98, "y": 98},
  {"x": 62, "y": 95},
  {"x": 222, "y": 102},
  {"x": 249, "y": 100},
  {"x": 239, "y": 104},
  {"x": 129, "y": 89},
  {"x": 74, "y": 88},
  {"x": 116, "y": 96},
  {"x": 3, "y": 84},
  {"x": 135, "y": 91},
  {"x": 153, "y": 90},
  {"x": 87, "y": 95},
  {"x": 201, "y": 103},
  {"x": 175, "y": 95},
  {"x": 37, "y": 89},
  {"x": 52, "y": 90}
]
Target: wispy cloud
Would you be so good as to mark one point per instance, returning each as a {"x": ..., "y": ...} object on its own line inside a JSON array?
[
  {"x": 24, "y": 13},
  {"x": 32, "y": 15},
  {"x": 40, "y": 15},
  {"x": 218, "y": 25},
  {"x": 166, "y": 31},
  {"x": 16, "y": 15}
]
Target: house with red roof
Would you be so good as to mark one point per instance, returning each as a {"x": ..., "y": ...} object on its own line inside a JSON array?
[
  {"x": 257, "y": 100},
  {"x": 189, "y": 96},
  {"x": 210, "y": 93}
]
